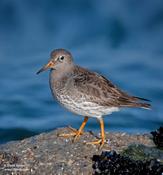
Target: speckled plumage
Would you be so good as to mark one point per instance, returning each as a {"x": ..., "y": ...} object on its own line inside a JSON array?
[
  {"x": 88, "y": 93},
  {"x": 84, "y": 92}
]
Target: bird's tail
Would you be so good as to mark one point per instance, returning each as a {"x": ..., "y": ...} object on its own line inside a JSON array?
[
  {"x": 137, "y": 102},
  {"x": 142, "y": 105},
  {"x": 139, "y": 98}
]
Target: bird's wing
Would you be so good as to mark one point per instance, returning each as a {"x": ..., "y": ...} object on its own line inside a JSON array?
[{"x": 96, "y": 88}]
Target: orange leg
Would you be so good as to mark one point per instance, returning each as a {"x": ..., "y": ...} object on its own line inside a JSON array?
[
  {"x": 76, "y": 133},
  {"x": 102, "y": 140}
]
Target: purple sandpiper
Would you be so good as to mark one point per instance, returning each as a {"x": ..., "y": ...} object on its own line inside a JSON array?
[{"x": 86, "y": 93}]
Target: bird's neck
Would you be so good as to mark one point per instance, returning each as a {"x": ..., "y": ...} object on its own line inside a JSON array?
[
  {"x": 58, "y": 79},
  {"x": 57, "y": 75}
]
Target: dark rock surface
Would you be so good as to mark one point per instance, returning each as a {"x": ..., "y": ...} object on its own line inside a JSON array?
[
  {"x": 49, "y": 154},
  {"x": 110, "y": 163},
  {"x": 158, "y": 137}
]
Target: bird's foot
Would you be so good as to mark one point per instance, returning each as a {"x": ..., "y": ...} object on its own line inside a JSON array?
[
  {"x": 74, "y": 133},
  {"x": 96, "y": 142}
]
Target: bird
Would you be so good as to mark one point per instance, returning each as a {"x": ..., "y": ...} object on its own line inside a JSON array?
[{"x": 86, "y": 93}]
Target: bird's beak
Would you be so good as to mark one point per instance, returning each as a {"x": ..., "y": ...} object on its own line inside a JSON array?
[{"x": 45, "y": 67}]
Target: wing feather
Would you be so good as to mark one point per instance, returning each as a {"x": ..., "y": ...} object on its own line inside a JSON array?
[{"x": 96, "y": 88}]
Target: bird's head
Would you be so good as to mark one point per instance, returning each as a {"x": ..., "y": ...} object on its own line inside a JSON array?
[{"x": 60, "y": 59}]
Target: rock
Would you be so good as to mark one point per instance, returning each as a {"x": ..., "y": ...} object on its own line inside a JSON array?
[
  {"x": 158, "y": 137},
  {"x": 142, "y": 152},
  {"x": 109, "y": 163},
  {"x": 49, "y": 154}
]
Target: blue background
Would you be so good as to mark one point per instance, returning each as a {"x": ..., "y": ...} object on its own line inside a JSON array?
[{"x": 123, "y": 40}]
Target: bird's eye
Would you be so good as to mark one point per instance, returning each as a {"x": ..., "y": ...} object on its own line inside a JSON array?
[{"x": 61, "y": 58}]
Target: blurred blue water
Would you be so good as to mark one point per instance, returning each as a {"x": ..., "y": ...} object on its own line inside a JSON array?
[{"x": 120, "y": 39}]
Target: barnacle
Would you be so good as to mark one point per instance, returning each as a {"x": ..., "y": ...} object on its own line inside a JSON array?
[
  {"x": 111, "y": 163},
  {"x": 158, "y": 137}
]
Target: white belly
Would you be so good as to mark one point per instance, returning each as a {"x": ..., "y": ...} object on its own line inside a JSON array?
[{"x": 83, "y": 108}]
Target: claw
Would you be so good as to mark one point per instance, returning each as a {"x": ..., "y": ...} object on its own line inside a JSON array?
[
  {"x": 66, "y": 135},
  {"x": 96, "y": 142},
  {"x": 74, "y": 133},
  {"x": 75, "y": 130}
]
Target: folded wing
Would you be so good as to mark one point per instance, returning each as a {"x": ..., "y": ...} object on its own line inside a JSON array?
[{"x": 96, "y": 88}]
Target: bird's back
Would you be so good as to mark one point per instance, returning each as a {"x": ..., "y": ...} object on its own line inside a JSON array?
[
  {"x": 98, "y": 89},
  {"x": 88, "y": 93}
]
